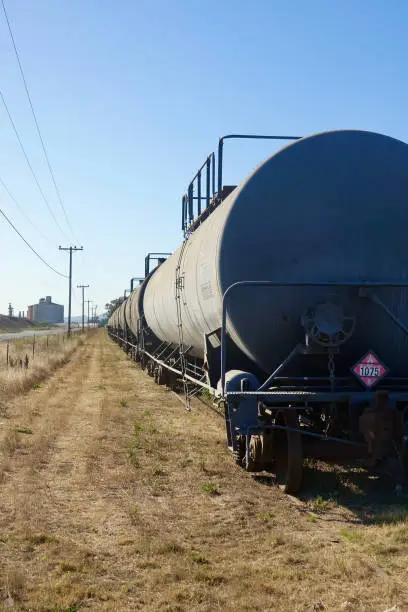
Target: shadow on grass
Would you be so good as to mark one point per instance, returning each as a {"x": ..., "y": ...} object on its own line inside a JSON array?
[{"x": 372, "y": 497}]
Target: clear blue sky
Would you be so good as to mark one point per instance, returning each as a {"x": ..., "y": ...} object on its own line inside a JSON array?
[{"x": 131, "y": 95}]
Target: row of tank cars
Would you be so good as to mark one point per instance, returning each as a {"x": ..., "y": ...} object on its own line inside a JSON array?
[{"x": 288, "y": 301}]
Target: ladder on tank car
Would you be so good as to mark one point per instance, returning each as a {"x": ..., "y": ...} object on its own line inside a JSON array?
[{"x": 179, "y": 286}]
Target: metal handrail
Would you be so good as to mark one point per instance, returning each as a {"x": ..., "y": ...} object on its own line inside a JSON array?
[
  {"x": 187, "y": 202},
  {"x": 243, "y": 137},
  {"x": 153, "y": 256}
]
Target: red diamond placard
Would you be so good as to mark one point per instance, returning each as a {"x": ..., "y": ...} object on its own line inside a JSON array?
[{"x": 369, "y": 370}]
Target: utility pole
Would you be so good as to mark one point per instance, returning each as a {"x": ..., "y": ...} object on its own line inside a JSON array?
[
  {"x": 83, "y": 287},
  {"x": 88, "y": 302},
  {"x": 70, "y": 249}
]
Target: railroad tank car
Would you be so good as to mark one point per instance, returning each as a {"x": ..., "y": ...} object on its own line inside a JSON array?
[
  {"x": 133, "y": 314},
  {"x": 315, "y": 237},
  {"x": 328, "y": 207}
]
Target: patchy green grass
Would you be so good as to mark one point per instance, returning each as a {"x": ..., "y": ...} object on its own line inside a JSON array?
[
  {"x": 23, "y": 430},
  {"x": 66, "y": 567},
  {"x": 320, "y": 505},
  {"x": 133, "y": 449},
  {"x": 206, "y": 395},
  {"x": 41, "y": 538},
  {"x": 198, "y": 558},
  {"x": 352, "y": 535},
  {"x": 264, "y": 516},
  {"x": 312, "y": 518},
  {"x": 211, "y": 488}
]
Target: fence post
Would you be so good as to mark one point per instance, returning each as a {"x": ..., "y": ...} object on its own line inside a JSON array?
[
  {"x": 47, "y": 343},
  {"x": 33, "y": 345}
]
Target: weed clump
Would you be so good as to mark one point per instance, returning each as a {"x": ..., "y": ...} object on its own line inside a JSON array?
[
  {"x": 23, "y": 430},
  {"x": 211, "y": 488},
  {"x": 264, "y": 516},
  {"x": 133, "y": 452},
  {"x": 320, "y": 505},
  {"x": 198, "y": 558},
  {"x": 41, "y": 538},
  {"x": 68, "y": 567}
]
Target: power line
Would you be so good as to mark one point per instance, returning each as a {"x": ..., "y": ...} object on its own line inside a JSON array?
[
  {"x": 30, "y": 166},
  {"x": 36, "y": 121},
  {"x": 29, "y": 245},
  {"x": 11, "y": 196}
]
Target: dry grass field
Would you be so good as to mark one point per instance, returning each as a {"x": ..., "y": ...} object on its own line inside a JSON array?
[
  {"x": 113, "y": 497},
  {"x": 25, "y": 362}
]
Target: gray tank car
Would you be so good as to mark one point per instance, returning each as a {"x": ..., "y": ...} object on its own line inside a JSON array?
[{"x": 307, "y": 260}]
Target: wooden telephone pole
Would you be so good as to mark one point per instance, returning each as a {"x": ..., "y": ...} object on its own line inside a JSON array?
[
  {"x": 70, "y": 249},
  {"x": 83, "y": 287},
  {"x": 88, "y": 302}
]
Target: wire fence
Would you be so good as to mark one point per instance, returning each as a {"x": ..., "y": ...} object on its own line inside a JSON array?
[{"x": 21, "y": 353}]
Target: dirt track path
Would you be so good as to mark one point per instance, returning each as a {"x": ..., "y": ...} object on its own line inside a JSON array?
[
  {"x": 121, "y": 500},
  {"x": 60, "y": 483}
]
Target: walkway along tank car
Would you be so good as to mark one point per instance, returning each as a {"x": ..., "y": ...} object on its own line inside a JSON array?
[{"x": 288, "y": 300}]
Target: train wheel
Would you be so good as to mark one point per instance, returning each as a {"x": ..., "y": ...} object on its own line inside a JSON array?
[
  {"x": 171, "y": 380},
  {"x": 162, "y": 376},
  {"x": 288, "y": 452},
  {"x": 255, "y": 455},
  {"x": 150, "y": 368}
]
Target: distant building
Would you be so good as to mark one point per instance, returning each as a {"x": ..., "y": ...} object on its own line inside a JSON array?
[{"x": 46, "y": 311}]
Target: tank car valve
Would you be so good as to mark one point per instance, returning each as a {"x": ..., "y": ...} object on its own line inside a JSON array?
[{"x": 329, "y": 322}]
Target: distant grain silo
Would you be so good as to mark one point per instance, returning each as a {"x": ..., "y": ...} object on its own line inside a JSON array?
[{"x": 46, "y": 311}]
